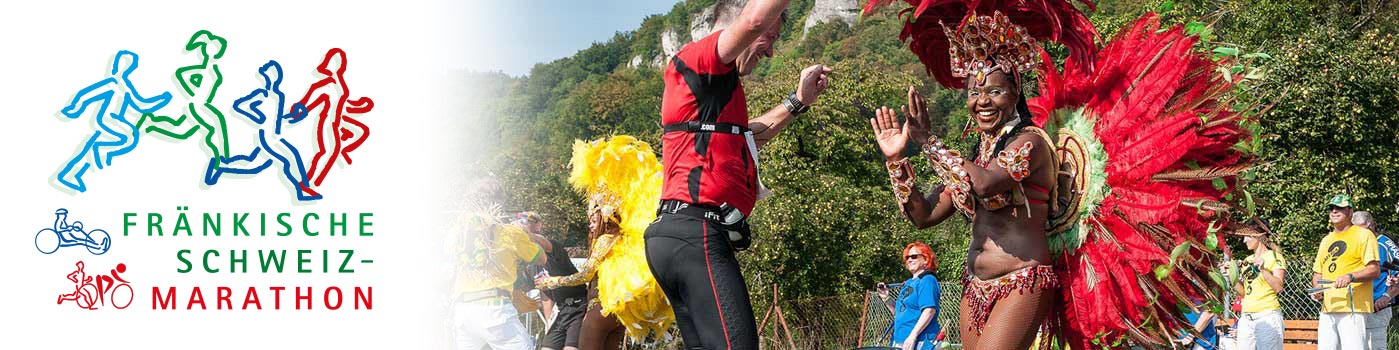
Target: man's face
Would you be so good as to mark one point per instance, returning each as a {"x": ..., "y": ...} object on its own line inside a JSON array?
[
  {"x": 536, "y": 227},
  {"x": 761, "y": 48},
  {"x": 1340, "y": 216}
]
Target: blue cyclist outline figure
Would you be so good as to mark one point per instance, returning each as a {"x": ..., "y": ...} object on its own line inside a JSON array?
[
  {"x": 126, "y": 136},
  {"x": 270, "y": 140}
]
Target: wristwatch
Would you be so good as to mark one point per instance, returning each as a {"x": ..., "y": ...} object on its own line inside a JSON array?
[{"x": 794, "y": 105}]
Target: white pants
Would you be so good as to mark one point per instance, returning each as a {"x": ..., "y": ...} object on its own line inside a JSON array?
[
  {"x": 1226, "y": 342},
  {"x": 481, "y": 324},
  {"x": 921, "y": 345},
  {"x": 1260, "y": 330},
  {"x": 1378, "y": 325},
  {"x": 1341, "y": 331}
]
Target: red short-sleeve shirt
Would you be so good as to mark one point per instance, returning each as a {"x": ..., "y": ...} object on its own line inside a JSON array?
[{"x": 703, "y": 167}]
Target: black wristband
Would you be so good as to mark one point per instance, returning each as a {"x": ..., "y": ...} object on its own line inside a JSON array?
[{"x": 794, "y": 105}]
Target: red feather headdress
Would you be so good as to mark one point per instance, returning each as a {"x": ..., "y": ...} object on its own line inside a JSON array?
[{"x": 1004, "y": 39}]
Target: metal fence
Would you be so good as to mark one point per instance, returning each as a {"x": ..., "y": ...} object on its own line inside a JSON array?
[
  {"x": 878, "y": 320},
  {"x": 856, "y": 319}
]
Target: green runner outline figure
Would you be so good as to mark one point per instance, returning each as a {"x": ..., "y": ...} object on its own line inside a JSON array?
[{"x": 194, "y": 79}]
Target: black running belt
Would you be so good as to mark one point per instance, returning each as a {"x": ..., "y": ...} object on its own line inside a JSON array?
[{"x": 698, "y": 126}]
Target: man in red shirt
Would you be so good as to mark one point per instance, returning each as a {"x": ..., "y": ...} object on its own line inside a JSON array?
[{"x": 711, "y": 172}]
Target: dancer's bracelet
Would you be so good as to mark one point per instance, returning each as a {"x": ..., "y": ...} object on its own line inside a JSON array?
[{"x": 901, "y": 176}]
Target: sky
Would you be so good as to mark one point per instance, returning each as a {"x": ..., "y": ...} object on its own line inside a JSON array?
[{"x": 512, "y": 36}]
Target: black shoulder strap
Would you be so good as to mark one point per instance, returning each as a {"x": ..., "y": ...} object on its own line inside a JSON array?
[{"x": 712, "y": 93}]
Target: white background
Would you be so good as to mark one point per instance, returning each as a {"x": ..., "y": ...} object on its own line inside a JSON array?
[{"x": 399, "y": 54}]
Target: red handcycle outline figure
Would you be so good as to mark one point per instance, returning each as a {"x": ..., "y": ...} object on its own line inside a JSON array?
[
  {"x": 91, "y": 291},
  {"x": 337, "y": 122}
]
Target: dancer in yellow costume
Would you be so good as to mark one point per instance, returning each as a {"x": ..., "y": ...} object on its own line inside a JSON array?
[{"x": 621, "y": 178}]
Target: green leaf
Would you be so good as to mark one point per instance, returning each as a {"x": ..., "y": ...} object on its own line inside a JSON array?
[
  {"x": 1218, "y": 279},
  {"x": 1178, "y": 251},
  {"x": 1233, "y": 270},
  {"x": 1212, "y": 241},
  {"x": 1205, "y": 34},
  {"x": 1254, "y": 74},
  {"x": 1219, "y": 184},
  {"x": 1194, "y": 27},
  {"x": 1228, "y": 76},
  {"x": 1226, "y": 51},
  {"x": 1243, "y": 147},
  {"x": 1165, "y": 6},
  {"x": 1258, "y": 55},
  {"x": 1248, "y": 204},
  {"x": 1162, "y": 271}
]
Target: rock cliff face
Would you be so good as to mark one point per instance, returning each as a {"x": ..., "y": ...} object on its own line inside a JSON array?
[
  {"x": 670, "y": 44},
  {"x": 832, "y": 10},
  {"x": 702, "y": 24}
]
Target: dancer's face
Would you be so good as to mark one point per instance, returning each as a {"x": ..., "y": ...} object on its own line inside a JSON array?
[
  {"x": 599, "y": 224},
  {"x": 595, "y": 221},
  {"x": 1251, "y": 242},
  {"x": 915, "y": 262},
  {"x": 761, "y": 48},
  {"x": 992, "y": 100}
]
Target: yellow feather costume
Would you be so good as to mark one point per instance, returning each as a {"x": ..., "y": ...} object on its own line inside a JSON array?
[{"x": 623, "y": 174}]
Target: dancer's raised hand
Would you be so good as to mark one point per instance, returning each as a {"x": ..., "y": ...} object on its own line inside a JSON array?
[
  {"x": 916, "y": 115},
  {"x": 889, "y": 133}
]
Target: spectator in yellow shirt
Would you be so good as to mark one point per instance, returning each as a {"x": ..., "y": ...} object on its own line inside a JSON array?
[
  {"x": 483, "y": 314},
  {"x": 1346, "y": 261},
  {"x": 1260, "y": 324}
]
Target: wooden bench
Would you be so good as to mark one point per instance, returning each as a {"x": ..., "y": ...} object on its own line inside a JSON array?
[{"x": 1296, "y": 334}]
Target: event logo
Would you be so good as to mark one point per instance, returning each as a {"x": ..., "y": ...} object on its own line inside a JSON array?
[
  {"x": 114, "y": 102},
  {"x": 123, "y": 115},
  {"x": 91, "y": 292},
  {"x": 63, "y": 234}
]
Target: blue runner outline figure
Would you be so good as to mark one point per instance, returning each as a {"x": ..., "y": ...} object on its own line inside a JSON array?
[
  {"x": 270, "y": 140},
  {"x": 200, "y": 82},
  {"x": 114, "y": 125}
]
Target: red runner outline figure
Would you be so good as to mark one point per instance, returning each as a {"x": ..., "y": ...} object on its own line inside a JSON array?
[{"x": 339, "y": 132}]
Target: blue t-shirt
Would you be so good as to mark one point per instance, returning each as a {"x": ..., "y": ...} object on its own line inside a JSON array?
[
  {"x": 1388, "y": 251},
  {"x": 1208, "y": 336},
  {"x": 918, "y": 293}
]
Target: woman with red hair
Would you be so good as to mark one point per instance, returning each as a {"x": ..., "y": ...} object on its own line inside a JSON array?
[{"x": 916, "y": 308}]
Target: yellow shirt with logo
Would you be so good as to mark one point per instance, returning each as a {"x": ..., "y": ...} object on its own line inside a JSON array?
[
  {"x": 490, "y": 258},
  {"x": 1341, "y": 253},
  {"x": 1259, "y": 295}
]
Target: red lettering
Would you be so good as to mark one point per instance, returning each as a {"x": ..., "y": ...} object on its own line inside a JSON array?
[
  {"x": 251, "y": 298},
  {"x": 196, "y": 296}
]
